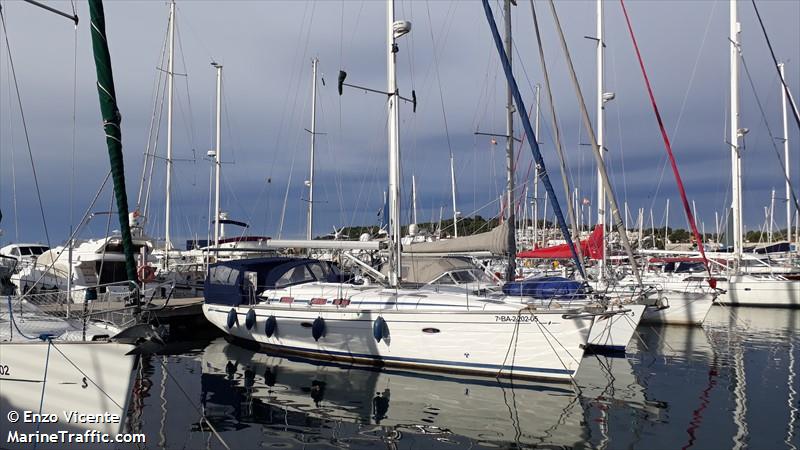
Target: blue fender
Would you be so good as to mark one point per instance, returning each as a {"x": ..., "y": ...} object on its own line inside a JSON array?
[
  {"x": 233, "y": 318},
  {"x": 379, "y": 329},
  {"x": 318, "y": 328},
  {"x": 250, "y": 319},
  {"x": 271, "y": 327}
]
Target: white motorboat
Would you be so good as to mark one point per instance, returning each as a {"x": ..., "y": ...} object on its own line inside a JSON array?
[{"x": 96, "y": 264}]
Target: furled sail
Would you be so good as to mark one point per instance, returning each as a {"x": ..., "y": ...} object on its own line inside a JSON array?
[
  {"x": 111, "y": 126},
  {"x": 494, "y": 241}
]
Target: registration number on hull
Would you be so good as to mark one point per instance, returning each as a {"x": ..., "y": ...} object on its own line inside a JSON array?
[{"x": 520, "y": 319}]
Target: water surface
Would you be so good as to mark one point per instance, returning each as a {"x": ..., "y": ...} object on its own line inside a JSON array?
[{"x": 729, "y": 384}]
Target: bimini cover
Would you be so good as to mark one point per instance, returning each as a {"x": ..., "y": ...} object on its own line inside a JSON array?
[{"x": 558, "y": 288}]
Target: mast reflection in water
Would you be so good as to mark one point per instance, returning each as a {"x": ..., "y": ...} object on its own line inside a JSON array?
[{"x": 729, "y": 384}]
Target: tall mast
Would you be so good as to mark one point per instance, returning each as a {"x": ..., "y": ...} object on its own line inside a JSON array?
[
  {"x": 536, "y": 169},
  {"x": 218, "y": 155},
  {"x": 601, "y": 193},
  {"x": 453, "y": 193},
  {"x": 735, "y": 134},
  {"x": 394, "y": 149},
  {"x": 786, "y": 159},
  {"x": 111, "y": 126},
  {"x": 170, "y": 79},
  {"x": 512, "y": 241},
  {"x": 310, "y": 220}
]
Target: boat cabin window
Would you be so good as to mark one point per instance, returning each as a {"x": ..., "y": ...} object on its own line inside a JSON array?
[
  {"x": 462, "y": 276},
  {"x": 15, "y": 251},
  {"x": 319, "y": 270},
  {"x": 114, "y": 247},
  {"x": 470, "y": 276},
  {"x": 444, "y": 279},
  {"x": 223, "y": 275},
  {"x": 295, "y": 275},
  {"x": 35, "y": 251},
  {"x": 111, "y": 272}
]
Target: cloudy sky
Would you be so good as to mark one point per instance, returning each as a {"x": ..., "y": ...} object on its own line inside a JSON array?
[{"x": 449, "y": 58}]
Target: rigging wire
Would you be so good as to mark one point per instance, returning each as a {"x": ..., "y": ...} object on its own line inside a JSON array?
[
  {"x": 664, "y": 158},
  {"x": 13, "y": 164},
  {"x": 331, "y": 150},
  {"x": 668, "y": 146},
  {"x": 24, "y": 125},
  {"x": 303, "y": 38},
  {"x": 441, "y": 95},
  {"x": 159, "y": 95},
  {"x": 619, "y": 138},
  {"x": 775, "y": 61},
  {"x": 556, "y": 129},
  {"x": 74, "y": 117},
  {"x": 772, "y": 137}
]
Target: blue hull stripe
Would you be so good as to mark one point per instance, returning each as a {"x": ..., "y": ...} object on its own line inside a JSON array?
[{"x": 422, "y": 361}]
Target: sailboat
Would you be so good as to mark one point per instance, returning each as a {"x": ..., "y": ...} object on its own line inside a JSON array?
[
  {"x": 302, "y": 306},
  {"x": 51, "y": 366},
  {"x": 742, "y": 288},
  {"x": 664, "y": 306}
]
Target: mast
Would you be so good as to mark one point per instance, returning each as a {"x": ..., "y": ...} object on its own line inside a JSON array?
[
  {"x": 536, "y": 169},
  {"x": 395, "y": 250},
  {"x": 601, "y": 193},
  {"x": 217, "y": 156},
  {"x": 453, "y": 189},
  {"x": 615, "y": 212},
  {"x": 786, "y": 159},
  {"x": 641, "y": 228},
  {"x": 735, "y": 134},
  {"x": 310, "y": 220},
  {"x": 533, "y": 144},
  {"x": 666, "y": 225},
  {"x": 413, "y": 199},
  {"x": 511, "y": 268},
  {"x": 111, "y": 126},
  {"x": 170, "y": 80},
  {"x": 771, "y": 215}
]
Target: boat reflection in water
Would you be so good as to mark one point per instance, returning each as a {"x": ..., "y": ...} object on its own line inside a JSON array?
[
  {"x": 729, "y": 384},
  {"x": 252, "y": 385}
]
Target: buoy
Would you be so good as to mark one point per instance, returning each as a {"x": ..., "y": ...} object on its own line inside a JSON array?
[
  {"x": 233, "y": 318},
  {"x": 379, "y": 329},
  {"x": 318, "y": 328},
  {"x": 271, "y": 327},
  {"x": 250, "y": 319},
  {"x": 146, "y": 273}
]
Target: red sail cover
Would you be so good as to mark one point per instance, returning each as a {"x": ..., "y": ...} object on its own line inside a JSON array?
[{"x": 592, "y": 247}]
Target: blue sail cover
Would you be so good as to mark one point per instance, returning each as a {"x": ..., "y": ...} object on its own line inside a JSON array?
[{"x": 557, "y": 288}]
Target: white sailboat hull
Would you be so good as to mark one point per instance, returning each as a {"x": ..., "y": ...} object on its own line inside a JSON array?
[
  {"x": 680, "y": 308},
  {"x": 744, "y": 290},
  {"x": 502, "y": 342},
  {"x": 87, "y": 377},
  {"x": 612, "y": 333}
]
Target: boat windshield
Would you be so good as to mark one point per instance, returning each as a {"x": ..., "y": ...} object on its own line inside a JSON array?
[
  {"x": 470, "y": 276},
  {"x": 295, "y": 275}
]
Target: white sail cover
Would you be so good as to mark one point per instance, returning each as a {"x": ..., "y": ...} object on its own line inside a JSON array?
[{"x": 494, "y": 241}]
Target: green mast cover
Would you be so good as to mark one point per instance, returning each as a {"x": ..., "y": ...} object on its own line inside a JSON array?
[{"x": 111, "y": 122}]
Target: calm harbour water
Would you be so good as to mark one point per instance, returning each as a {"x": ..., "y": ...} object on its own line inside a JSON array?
[{"x": 729, "y": 384}]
